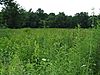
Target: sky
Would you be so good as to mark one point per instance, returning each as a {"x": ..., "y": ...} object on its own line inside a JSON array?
[{"x": 69, "y": 7}]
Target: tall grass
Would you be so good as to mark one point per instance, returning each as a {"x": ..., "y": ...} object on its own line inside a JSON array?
[{"x": 49, "y": 52}]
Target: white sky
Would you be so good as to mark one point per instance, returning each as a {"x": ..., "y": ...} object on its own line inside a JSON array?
[{"x": 70, "y": 7}]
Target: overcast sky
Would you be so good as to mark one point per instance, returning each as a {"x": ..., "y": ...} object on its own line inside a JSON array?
[{"x": 70, "y": 7}]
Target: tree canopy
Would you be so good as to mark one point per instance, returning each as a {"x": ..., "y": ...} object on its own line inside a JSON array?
[{"x": 13, "y": 15}]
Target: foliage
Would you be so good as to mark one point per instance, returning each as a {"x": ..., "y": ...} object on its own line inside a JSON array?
[
  {"x": 49, "y": 51},
  {"x": 14, "y": 16}
]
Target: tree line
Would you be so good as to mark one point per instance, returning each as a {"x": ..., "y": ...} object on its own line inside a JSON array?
[{"x": 13, "y": 15}]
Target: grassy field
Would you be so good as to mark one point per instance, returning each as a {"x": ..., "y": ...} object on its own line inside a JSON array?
[{"x": 49, "y": 52}]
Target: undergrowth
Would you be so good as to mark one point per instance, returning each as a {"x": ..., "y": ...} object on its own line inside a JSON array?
[{"x": 49, "y": 52}]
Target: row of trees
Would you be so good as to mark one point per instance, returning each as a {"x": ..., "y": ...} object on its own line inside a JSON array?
[{"x": 14, "y": 16}]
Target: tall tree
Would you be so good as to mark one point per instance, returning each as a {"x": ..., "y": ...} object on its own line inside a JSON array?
[
  {"x": 42, "y": 17},
  {"x": 1, "y": 20},
  {"x": 69, "y": 22},
  {"x": 50, "y": 21},
  {"x": 22, "y": 18},
  {"x": 60, "y": 20},
  {"x": 10, "y": 13},
  {"x": 82, "y": 19},
  {"x": 32, "y": 19}
]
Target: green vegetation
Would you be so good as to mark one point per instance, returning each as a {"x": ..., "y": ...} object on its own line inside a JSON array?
[
  {"x": 49, "y": 51},
  {"x": 13, "y": 15}
]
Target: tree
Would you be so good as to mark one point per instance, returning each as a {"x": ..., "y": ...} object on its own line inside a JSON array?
[
  {"x": 42, "y": 17},
  {"x": 14, "y": 16},
  {"x": 4, "y": 1},
  {"x": 22, "y": 18},
  {"x": 32, "y": 19},
  {"x": 1, "y": 20},
  {"x": 60, "y": 20},
  {"x": 10, "y": 13},
  {"x": 69, "y": 22},
  {"x": 82, "y": 19},
  {"x": 50, "y": 21}
]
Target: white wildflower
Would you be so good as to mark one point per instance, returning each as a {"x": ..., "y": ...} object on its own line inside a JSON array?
[
  {"x": 43, "y": 59},
  {"x": 94, "y": 64},
  {"x": 83, "y": 65}
]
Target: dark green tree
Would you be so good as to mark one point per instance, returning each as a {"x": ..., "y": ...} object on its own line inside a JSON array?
[
  {"x": 69, "y": 22},
  {"x": 14, "y": 16},
  {"x": 32, "y": 19},
  {"x": 22, "y": 18},
  {"x": 82, "y": 19},
  {"x": 50, "y": 21},
  {"x": 42, "y": 17},
  {"x": 60, "y": 20},
  {"x": 1, "y": 20},
  {"x": 10, "y": 13}
]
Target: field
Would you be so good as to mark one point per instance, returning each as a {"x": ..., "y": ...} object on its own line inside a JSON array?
[{"x": 49, "y": 51}]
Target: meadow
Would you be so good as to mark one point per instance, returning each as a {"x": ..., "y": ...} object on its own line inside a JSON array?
[{"x": 49, "y": 51}]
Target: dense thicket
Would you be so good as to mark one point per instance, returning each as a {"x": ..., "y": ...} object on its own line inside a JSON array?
[
  {"x": 50, "y": 51},
  {"x": 14, "y": 16}
]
